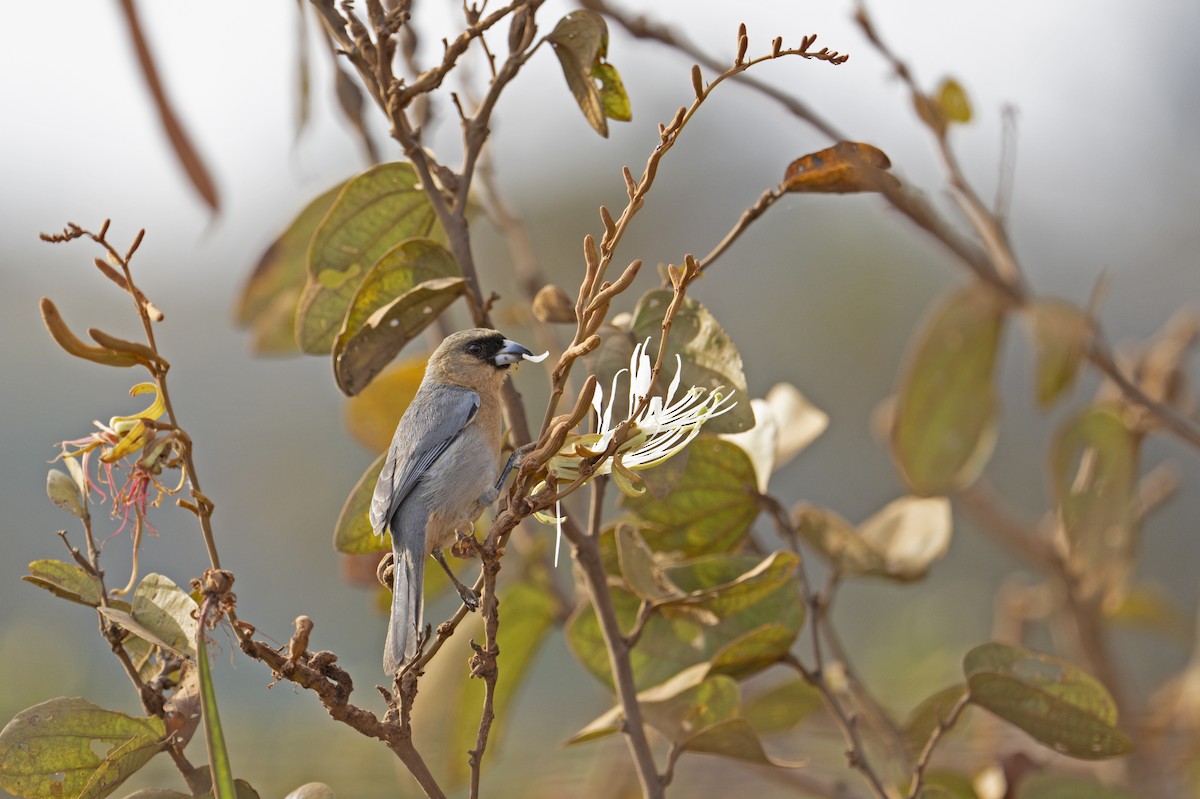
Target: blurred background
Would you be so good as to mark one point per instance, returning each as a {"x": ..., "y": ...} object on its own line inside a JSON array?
[{"x": 823, "y": 292}]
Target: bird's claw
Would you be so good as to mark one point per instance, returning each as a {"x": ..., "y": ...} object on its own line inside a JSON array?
[
  {"x": 385, "y": 572},
  {"x": 469, "y": 597}
]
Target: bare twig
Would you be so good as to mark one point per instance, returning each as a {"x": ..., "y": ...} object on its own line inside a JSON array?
[{"x": 943, "y": 726}]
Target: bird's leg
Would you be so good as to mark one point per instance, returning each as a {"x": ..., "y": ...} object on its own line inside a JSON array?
[
  {"x": 513, "y": 459},
  {"x": 469, "y": 597}
]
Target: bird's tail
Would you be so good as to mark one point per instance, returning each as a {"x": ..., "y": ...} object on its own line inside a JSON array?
[{"x": 405, "y": 623}]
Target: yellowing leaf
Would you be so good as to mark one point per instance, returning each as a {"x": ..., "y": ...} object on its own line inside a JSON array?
[
  {"x": 845, "y": 168},
  {"x": 945, "y": 422},
  {"x": 1052, "y": 700},
  {"x": 166, "y": 610},
  {"x": 371, "y": 415},
  {"x": 353, "y": 533},
  {"x": 613, "y": 98},
  {"x": 67, "y": 580},
  {"x": 1061, "y": 334},
  {"x": 580, "y": 40},
  {"x": 952, "y": 102},
  {"x": 371, "y": 214},
  {"x": 52, "y": 749}
]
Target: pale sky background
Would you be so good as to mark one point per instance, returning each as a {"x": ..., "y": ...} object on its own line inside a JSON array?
[{"x": 823, "y": 292}]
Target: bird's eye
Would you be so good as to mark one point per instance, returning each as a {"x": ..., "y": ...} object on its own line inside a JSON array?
[{"x": 474, "y": 349}]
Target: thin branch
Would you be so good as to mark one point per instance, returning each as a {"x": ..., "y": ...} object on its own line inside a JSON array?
[
  {"x": 943, "y": 726},
  {"x": 588, "y": 556}
]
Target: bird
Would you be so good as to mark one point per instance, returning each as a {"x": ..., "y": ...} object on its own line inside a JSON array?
[{"x": 441, "y": 471}]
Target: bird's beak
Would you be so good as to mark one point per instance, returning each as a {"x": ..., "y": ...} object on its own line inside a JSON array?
[{"x": 512, "y": 352}]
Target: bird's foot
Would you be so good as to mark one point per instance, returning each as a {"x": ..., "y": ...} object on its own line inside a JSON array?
[{"x": 386, "y": 570}]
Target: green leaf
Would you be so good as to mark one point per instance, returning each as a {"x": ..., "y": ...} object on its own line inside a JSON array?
[
  {"x": 929, "y": 715},
  {"x": 952, "y": 102},
  {"x": 711, "y": 506},
  {"x": 214, "y": 734},
  {"x": 373, "y": 213},
  {"x": 1056, "y": 703},
  {"x": 735, "y": 738},
  {"x": 1061, "y": 334},
  {"x": 353, "y": 533},
  {"x": 580, "y": 40},
  {"x": 268, "y": 301},
  {"x": 782, "y": 707},
  {"x": 49, "y": 750},
  {"x": 724, "y": 632},
  {"x": 369, "y": 349},
  {"x": 1093, "y": 469},
  {"x": 67, "y": 580},
  {"x": 1057, "y": 786},
  {"x": 119, "y": 764},
  {"x": 707, "y": 579},
  {"x": 641, "y": 573},
  {"x": 612, "y": 93},
  {"x": 398, "y": 271},
  {"x": 64, "y": 493},
  {"x": 946, "y": 407},
  {"x": 709, "y": 357},
  {"x": 756, "y": 650}
]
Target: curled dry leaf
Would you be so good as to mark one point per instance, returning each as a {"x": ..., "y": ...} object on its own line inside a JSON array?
[{"x": 845, "y": 168}]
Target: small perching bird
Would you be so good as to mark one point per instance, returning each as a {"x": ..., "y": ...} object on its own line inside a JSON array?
[{"x": 442, "y": 470}]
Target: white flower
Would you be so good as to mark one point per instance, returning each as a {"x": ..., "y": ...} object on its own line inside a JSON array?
[{"x": 662, "y": 427}]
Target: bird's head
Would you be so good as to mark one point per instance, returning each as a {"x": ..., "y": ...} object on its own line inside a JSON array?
[{"x": 476, "y": 358}]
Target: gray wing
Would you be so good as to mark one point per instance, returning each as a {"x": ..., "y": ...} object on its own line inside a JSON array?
[{"x": 432, "y": 421}]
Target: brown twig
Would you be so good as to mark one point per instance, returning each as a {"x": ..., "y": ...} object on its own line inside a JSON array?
[{"x": 943, "y": 726}]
